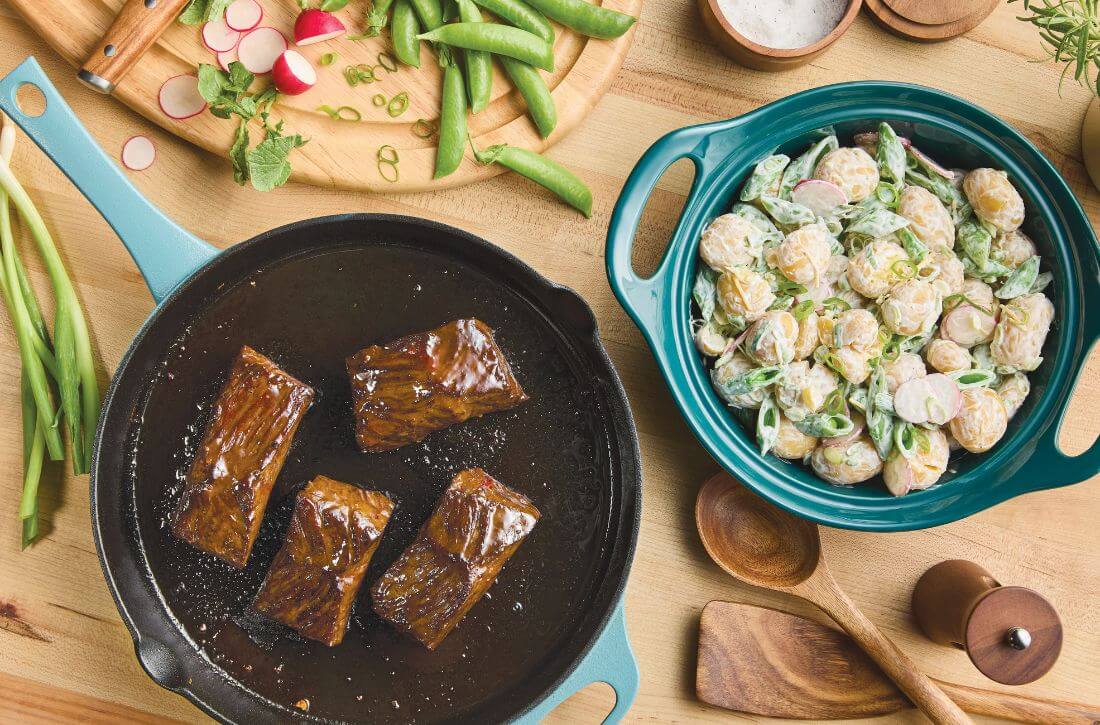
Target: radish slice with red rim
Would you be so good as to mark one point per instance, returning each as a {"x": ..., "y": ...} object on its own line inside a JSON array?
[
  {"x": 244, "y": 15},
  {"x": 138, "y": 153},
  {"x": 179, "y": 97},
  {"x": 219, "y": 37},
  {"x": 260, "y": 48},
  {"x": 819, "y": 196},
  {"x": 932, "y": 399},
  {"x": 227, "y": 57}
]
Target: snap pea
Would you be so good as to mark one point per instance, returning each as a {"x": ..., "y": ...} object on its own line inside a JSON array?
[
  {"x": 541, "y": 170},
  {"x": 747, "y": 382},
  {"x": 496, "y": 39},
  {"x": 430, "y": 13},
  {"x": 1021, "y": 279},
  {"x": 890, "y": 154},
  {"x": 704, "y": 292},
  {"x": 767, "y": 425},
  {"x": 975, "y": 242},
  {"x": 540, "y": 105},
  {"x": 803, "y": 167},
  {"x": 786, "y": 213},
  {"x": 765, "y": 178},
  {"x": 913, "y": 246},
  {"x": 825, "y": 425},
  {"x": 521, "y": 15},
  {"x": 759, "y": 220},
  {"x": 479, "y": 64},
  {"x": 452, "y": 121},
  {"x": 878, "y": 223},
  {"x": 587, "y": 19},
  {"x": 403, "y": 34}
]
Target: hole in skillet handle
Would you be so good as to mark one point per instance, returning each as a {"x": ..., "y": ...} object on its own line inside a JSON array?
[{"x": 30, "y": 100}]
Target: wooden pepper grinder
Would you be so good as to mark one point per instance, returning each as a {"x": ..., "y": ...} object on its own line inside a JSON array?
[{"x": 1012, "y": 634}]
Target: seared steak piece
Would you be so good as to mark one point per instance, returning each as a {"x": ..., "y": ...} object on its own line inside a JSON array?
[
  {"x": 241, "y": 454},
  {"x": 314, "y": 578},
  {"x": 404, "y": 390},
  {"x": 477, "y": 525}
]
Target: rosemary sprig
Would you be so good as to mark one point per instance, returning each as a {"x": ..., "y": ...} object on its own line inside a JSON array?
[{"x": 1070, "y": 33}]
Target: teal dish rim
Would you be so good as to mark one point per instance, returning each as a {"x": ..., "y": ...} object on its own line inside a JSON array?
[{"x": 723, "y": 153}]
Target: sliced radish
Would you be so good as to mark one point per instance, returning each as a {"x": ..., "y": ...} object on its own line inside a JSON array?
[
  {"x": 260, "y": 48},
  {"x": 315, "y": 26},
  {"x": 219, "y": 37},
  {"x": 927, "y": 161},
  {"x": 244, "y": 15},
  {"x": 820, "y": 197},
  {"x": 138, "y": 153},
  {"x": 868, "y": 141},
  {"x": 227, "y": 57},
  {"x": 293, "y": 74},
  {"x": 180, "y": 98},
  {"x": 932, "y": 399}
]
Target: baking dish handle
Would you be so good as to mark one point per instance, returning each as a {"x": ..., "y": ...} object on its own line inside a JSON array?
[
  {"x": 165, "y": 253},
  {"x": 641, "y": 298},
  {"x": 610, "y": 660}
]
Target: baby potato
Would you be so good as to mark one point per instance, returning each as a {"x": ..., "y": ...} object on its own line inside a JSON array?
[
  {"x": 807, "y": 338},
  {"x": 847, "y": 465},
  {"x": 804, "y": 256},
  {"x": 857, "y": 329},
  {"x": 709, "y": 340},
  {"x": 1013, "y": 391},
  {"x": 981, "y": 421},
  {"x": 947, "y": 357},
  {"x": 871, "y": 270},
  {"x": 792, "y": 443},
  {"x": 994, "y": 198},
  {"x": 804, "y": 389},
  {"x": 1012, "y": 248},
  {"x": 771, "y": 339},
  {"x": 911, "y": 308},
  {"x": 855, "y": 365},
  {"x": 944, "y": 270},
  {"x": 920, "y": 471},
  {"x": 730, "y": 241},
  {"x": 852, "y": 169},
  {"x": 905, "y": 367},
  {"x": 744, "y": 293},
  {"x": 1020, "y": 333},
  {"x": 929, "y": 219},
  {"x": 738, "y": 363}
]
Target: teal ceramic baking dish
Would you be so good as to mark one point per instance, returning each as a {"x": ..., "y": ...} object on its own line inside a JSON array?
[{"x": 956, "y": 133}]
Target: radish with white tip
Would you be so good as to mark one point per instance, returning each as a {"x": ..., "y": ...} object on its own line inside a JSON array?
[
  {"x": 819, "y": 196},
  {"x": 138, "y": 153},
  {"x": 316, "y": 26},
  {"x": 260, "y": 48},
  {"x": 179, "y": 97},
  {"x": 244, "y": 15},
  {"x": 293, "y": 74},
  {"x": 932, "y": 399},
  {"x": 219, "y": 37}
]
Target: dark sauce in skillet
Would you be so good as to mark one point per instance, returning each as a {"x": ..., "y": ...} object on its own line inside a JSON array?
[{"x": 308, "y": 314}]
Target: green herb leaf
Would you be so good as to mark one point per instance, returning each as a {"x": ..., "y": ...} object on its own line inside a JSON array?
[
  {"x": 268, "y": 164},
  {"x": 194, "y": 13},
  {"x": 212, "y": 83},
  {"x": 238, "y": 153}
]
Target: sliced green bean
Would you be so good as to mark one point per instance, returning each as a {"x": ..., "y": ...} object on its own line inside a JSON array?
[
  {"x": 496, "y": 39},
  {"x": 452, "y": 122},
  {"x": 521, "y": 15},
  {"x": 541, "y": 170},
  {"x": 540, "y": 104},
  {"x": 479, "y": 64},
  {"x": 406, "y": 46},
  {"x": 585, "y": 18},
  {"x": 430, "y": 13}
]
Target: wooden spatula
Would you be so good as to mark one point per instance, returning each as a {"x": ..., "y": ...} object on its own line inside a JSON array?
[
  {"x": 137, "y": 26},
  {"x": 760, "y": 661}
]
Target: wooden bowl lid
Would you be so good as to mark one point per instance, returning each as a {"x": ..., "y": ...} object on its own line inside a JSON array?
[
  {"x": 997, "y": 646},
  {"x": 930, "y": 21}
]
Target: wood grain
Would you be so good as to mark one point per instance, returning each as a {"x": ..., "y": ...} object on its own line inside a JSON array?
[
  {"x": 136, "y": 27},
  {"x": 672, "y": 77},
  {"x": 766, "y": 662},
  {"x": 343, "y": 154},
  {"x": 894, "y": 15},
  {"x": 936, "y": 12}
]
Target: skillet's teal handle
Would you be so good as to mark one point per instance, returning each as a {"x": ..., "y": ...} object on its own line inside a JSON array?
[
  {"x": 642, "y": 298},
  {"x": 165, "y": 253},
  {"x": 610, "y": 660}
]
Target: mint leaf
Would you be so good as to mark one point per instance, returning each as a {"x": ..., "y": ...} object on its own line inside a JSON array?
[
  {"x": 238, "y": 153},
  {"x": 194, "y": 13},
  {"x": 211, "y": 83},
  {"x": 268, "y": 166}
]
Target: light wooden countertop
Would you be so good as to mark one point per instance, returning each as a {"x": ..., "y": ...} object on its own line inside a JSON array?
[{"x": 64, "y": 653}]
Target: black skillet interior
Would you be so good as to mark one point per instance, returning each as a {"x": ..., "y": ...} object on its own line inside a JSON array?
[{"x": 307, "y": 296}]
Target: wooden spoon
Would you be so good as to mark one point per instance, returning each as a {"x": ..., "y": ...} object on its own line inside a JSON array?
[
  {"x": 762, "y": 545},
  {"x": 760, "y": 661}
]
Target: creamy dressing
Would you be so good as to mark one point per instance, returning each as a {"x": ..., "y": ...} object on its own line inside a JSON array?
[{"x": 784, "y": 23}]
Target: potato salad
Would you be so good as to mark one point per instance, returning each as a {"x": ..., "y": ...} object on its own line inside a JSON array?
[{"x": 872, "y": 309}]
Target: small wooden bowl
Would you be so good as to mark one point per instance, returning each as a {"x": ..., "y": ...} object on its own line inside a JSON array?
[{"x": 761, "y": 57}]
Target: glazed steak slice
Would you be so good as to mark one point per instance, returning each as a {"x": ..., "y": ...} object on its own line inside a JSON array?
[
  {"x": 477, "y": 525},
  {"x": 404, "y": 390},
  {"x": 312, "y": 583},
  {"x": 241, "y": 454}
]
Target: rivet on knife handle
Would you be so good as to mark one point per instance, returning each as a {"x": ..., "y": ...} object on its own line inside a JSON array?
[{"x": 138, "y": 25}]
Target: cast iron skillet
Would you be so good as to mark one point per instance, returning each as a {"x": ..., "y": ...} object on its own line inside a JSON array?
[{"x": 308, "y": 295}]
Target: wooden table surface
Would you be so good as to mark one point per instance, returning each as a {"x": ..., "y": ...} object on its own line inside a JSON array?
[{"x": 64, "y": 653}]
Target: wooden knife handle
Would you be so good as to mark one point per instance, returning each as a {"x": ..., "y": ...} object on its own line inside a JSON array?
[{"x": 138, "y": 25}]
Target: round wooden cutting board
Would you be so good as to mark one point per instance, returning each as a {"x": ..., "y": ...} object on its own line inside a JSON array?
[{"x": 343, "y": 154}]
